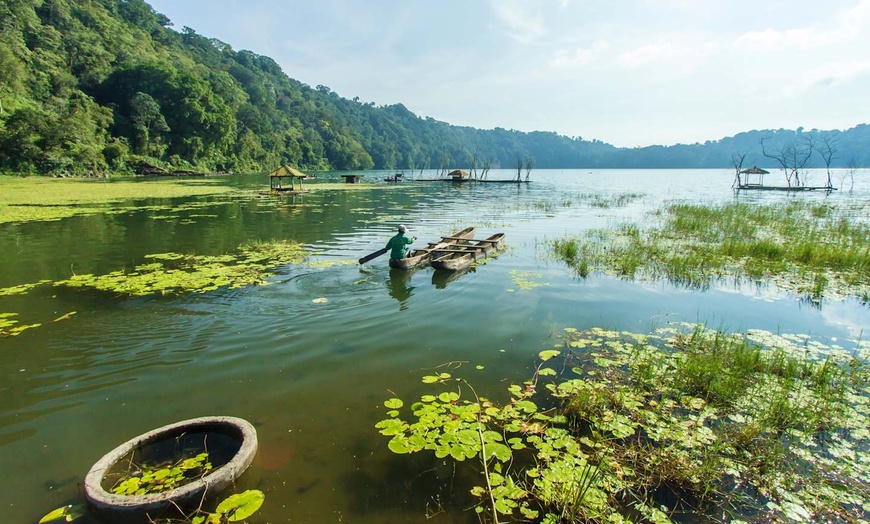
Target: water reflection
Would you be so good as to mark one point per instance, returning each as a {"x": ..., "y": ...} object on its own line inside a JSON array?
[
  {"x": 441, "y": 278},
  {"x": 400, "y": 287}
]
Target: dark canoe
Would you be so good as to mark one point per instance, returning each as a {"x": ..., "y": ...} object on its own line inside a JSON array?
[
  {"x": 459, "y": 256},
  {"x": 421, "y": 256}
]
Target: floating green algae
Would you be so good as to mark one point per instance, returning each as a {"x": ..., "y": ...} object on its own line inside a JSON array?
[
  {"x": 683, "y": 421},
  {"x": 176, "y": 273},
  {"x": 526, "y": 280},
  {"x": 31, "y": 199},
  {"x": 21, "y": 289},
  {"x": 9, "y": 327}
]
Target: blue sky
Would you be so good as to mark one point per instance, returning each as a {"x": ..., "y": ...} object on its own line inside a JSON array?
[{"x": 627, "y": 72}]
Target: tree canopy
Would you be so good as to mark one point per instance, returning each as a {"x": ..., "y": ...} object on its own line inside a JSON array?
[{"x": 104, "y": 85}]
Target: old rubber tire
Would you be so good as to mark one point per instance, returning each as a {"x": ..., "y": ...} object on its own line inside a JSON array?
[{"x": 132, "y": 508}]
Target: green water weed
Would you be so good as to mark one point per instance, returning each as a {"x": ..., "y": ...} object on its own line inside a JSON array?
[
  {"x": 733, "y": 423},
  {"x": 815, "y": 253}
]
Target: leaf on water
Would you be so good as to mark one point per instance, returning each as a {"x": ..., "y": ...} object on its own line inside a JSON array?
[
  {"x": 399, "y": 445},
  {"x": 53, "y": 515},
  {"x": 240, "y": 506},
  {"x": 393, "y": 403},
  {"x": 68, "y": 513},
  {"x": 548, "y": 354},
  {"x": 320, "y": 300}
]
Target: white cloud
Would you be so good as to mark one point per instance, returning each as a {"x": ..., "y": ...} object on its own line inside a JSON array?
[
  {"x": 835, "y": 74},
  {"x": 845, "y": 27},
  {"x": 688, "y": 53},
  {"x": 569, "y": 58},
  {"x": 522, "y": 25}
]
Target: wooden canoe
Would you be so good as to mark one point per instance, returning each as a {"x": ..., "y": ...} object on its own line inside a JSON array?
[
  {"x": 459, "y": 256},
  {"x": 422, "y": 256}
]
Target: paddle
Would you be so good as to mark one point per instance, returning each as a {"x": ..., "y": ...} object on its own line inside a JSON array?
[{"x": 376, "y": 254}]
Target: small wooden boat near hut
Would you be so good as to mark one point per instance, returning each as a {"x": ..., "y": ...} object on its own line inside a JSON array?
[
  {"x": 422, "y": 256},
  {"x": 460, "y": 255}
]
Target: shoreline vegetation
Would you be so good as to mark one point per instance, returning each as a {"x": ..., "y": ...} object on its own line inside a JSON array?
[
  {"x": 622, "y": 427},
  {"x": 817, "y": 251},
  {"x": 37, "y": 199}
]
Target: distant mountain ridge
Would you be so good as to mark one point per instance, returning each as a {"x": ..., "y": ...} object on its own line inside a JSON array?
[{"x": 106, "y": 85}]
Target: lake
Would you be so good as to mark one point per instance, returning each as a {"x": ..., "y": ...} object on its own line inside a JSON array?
[{"x": 312, "y": 374}]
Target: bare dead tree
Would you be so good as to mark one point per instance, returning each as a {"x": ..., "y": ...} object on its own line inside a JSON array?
[
  {"x": 827, "y": 148},
  {"x": 792, "y": 157},
  {"x": 530, "y": 164},
  {"x": 851, "y": 169},
  {"x": 519, "y": 167},
  {"x": 487, "y": 165},
  {"x": 737, "y": 161},
  {"x": 473, "y": 167}
]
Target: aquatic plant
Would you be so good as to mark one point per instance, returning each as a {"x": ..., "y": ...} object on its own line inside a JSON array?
[
  {"x": 8, "y": 327},
  {"x": 639, "y": 427},
  {"x": 175, "y": 273},
  {"x": 29, "y": 199},
  {"x": 817, "y": 251},
  {"x": 156, "y": 478},
  {"x": 68, "y": 513},
  {"x": 235, "y": 508},
  {"x": 526, "y": 280}
]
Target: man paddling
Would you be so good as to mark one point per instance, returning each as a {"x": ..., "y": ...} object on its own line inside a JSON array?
[{"x": 397, "y": 244}]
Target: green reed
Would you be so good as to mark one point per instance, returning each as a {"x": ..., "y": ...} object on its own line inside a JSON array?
[{"x": 816, "y": 250}]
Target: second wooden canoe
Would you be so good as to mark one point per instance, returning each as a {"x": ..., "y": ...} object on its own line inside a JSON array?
[{"x": 459, "y": 256}]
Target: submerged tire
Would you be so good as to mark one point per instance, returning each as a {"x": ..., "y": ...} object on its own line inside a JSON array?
[{"x": 141, "y": 508}]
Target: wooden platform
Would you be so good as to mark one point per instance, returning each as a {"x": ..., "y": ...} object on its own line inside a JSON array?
[{"x": 755, "y": 187}]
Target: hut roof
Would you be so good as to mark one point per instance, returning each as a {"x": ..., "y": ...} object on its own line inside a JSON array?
[
  {"x": 287, "y": 171},
  {"x": 754, "y": 170},
  {"x": 458, "y": 173}
]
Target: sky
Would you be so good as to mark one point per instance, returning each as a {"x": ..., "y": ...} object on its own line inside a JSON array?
[{"x": 630, "y": 73}]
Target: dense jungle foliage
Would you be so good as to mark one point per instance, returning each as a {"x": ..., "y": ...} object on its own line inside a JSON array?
[{"x": 91, "y": 86}]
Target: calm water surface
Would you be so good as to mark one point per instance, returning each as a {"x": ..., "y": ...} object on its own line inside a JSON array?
[{"x": 312, "y": 376}]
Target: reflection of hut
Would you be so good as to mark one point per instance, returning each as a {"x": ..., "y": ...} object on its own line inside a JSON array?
[
  {"x": 277, "y": 177},
  {"x": 458, "y": 175},
  {"x": 747, "y": 181}
]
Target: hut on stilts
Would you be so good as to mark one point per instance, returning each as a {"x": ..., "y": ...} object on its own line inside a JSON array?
[{"x": 277, "y": 180}]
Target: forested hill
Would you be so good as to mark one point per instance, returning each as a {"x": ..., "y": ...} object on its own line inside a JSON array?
[{"x": 105, "y": 85}]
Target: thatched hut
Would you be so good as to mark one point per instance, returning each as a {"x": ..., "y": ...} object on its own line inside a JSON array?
[
  {"x": 754, "y": 170},
  {"x": 458, "y": 175},
  {"x": 277, "y": 177}
]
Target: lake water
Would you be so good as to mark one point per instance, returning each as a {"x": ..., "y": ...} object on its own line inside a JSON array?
[{"x": 312, "y": 376}]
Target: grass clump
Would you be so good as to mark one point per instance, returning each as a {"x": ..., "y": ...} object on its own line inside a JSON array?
[
  {"x": 806, "y": 248},
  {"x": 648, "y": 427}
]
